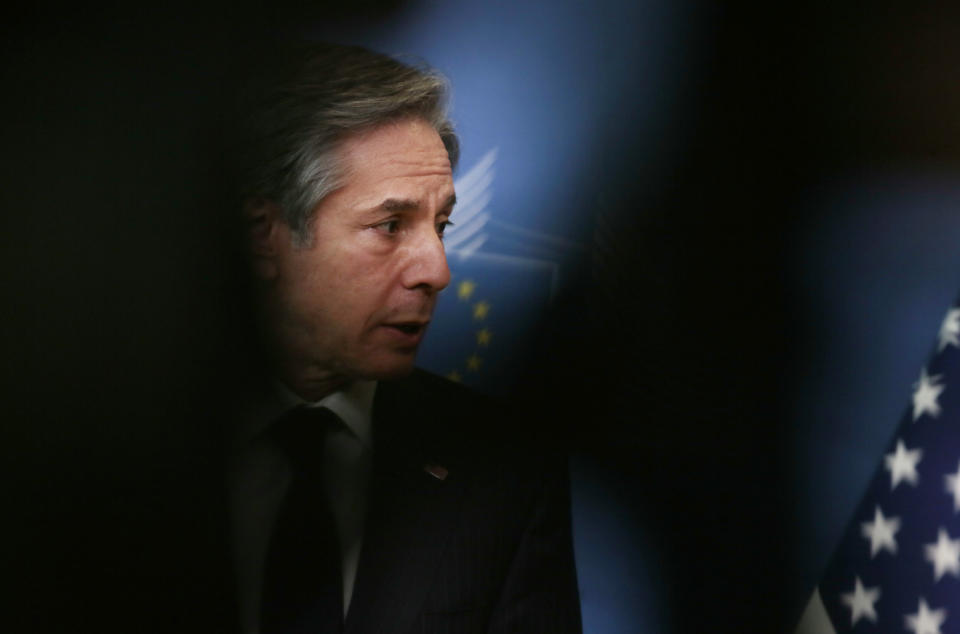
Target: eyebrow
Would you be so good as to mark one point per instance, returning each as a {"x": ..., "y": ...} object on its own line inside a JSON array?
[{"x": 404, "y": 204}]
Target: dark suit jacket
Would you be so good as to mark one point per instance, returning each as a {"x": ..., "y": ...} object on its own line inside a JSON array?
[{"x": 488, "y": 549}]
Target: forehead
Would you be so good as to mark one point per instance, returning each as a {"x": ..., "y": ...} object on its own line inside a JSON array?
[{"x": 406, "y": 154}]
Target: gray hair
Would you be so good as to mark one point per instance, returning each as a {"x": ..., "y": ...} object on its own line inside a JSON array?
[{"x": 322, "y": 95}]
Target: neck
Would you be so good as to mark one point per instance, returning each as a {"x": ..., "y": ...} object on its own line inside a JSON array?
[
  {"x": 302, "y": 375},
  {"x": 308, "y": 383}
]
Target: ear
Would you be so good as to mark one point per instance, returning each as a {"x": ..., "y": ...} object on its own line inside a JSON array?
[{"x": 264, "y": 228}]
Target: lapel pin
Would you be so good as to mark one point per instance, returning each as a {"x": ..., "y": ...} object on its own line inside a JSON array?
[{"x": 437, "y": 471}]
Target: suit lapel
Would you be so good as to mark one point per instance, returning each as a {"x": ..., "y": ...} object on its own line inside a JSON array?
[{"x": 411, "y": 513}]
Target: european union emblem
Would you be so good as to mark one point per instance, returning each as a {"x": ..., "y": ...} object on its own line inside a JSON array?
[
  {"x": 502, "y": 281},
  {"x": 484, "y": 320}
]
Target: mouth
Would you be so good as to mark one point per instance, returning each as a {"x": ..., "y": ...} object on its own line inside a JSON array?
[
  {"x": 410, "y": 329},
  {"x": 409, "y": 332}
]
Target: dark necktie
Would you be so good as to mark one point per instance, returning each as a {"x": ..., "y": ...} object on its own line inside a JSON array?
[{"x": 302, "y": 582}]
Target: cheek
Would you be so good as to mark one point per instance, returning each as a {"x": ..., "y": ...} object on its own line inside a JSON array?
[
  {"x": 307, "y": 287},
  {"x": 348, "y": 289},
  {"x": 364, "y": 292},
  {"x": 363, "y": 263}
]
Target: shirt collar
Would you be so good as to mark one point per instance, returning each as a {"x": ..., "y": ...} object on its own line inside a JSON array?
[{"x": 353, "y": 405}]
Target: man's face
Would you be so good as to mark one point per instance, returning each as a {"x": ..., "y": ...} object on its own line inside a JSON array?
[{"x": 356, "y": 303}]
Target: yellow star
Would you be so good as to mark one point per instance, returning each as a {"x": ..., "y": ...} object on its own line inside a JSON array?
[
  {"x": 465, "y": 289},
  {"x": 454, "y": 376},
  {"x": 484, "y": 336},
  {"x": 480, "y": 310},
  {"x": 473, "y": 362}
]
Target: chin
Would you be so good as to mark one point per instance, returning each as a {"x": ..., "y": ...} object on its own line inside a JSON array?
[{"x": 387, "y": 369}]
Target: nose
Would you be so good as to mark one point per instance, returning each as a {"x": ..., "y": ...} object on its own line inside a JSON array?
[{"x": 426, "y": 267}]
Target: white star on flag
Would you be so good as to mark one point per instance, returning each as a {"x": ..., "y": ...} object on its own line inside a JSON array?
[
  {"x": 861, "y": 601},
  {"x": 925, "y": 395},
  {"x": 944, "y": 555},
  {"x": 881, "y": 532},
  {"x": 916, "y": 583},
  {"x": 926, "y": 621},
  {"x": 950, "y": 329},
  {"x": 902, "y": 465},
  {"x": 953, "y": 486}
]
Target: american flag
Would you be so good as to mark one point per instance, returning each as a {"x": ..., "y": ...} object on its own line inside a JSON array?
[{"x": 897, "y": 568}]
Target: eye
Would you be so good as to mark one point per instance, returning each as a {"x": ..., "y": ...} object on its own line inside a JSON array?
[
  {"x": 390, "y": 226},
  {"x": 442, "y": 227}
]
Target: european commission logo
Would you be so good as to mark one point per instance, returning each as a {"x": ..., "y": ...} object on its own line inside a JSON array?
[
  {"x": 503, "y": 278},
  {"x": 483, "y": 336}
]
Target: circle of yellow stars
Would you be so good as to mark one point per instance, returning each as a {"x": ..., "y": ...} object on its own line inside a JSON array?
[{"x": 480, "y": 310}]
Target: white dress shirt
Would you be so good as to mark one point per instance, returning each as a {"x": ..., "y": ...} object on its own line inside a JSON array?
[{"x": 261, "y": 474}]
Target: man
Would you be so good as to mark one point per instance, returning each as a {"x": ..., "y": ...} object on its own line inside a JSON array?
[{"x": 369, "y": 496}]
